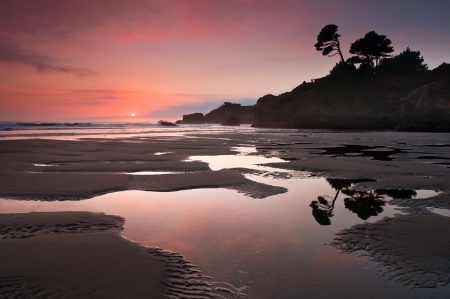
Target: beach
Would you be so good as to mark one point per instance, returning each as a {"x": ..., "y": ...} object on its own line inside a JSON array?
[{"x": 83, "y": 254}]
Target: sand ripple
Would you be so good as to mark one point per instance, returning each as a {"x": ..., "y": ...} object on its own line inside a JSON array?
[{"x": 414, "y": 248}]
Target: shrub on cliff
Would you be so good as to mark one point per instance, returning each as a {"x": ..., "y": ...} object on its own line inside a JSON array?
[
  {"x": 342, "y": 69},
  {"x": 442, "y": 69},
  {"x": 406, "y": 63}
]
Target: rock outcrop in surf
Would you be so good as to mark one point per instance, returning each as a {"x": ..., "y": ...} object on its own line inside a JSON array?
[{"x": 226, "y": 114}]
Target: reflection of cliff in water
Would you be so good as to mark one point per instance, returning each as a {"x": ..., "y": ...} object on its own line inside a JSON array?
[
  {"x": 365, "y": 204},
  {"x": 372, "y": 152}
]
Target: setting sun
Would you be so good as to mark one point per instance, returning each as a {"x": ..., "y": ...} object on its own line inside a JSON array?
[{"x": 132, "y": 114}]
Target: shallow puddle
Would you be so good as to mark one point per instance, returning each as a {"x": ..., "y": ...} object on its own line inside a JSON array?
[
  {"x": 242, "y": 160},
  {"x": 374, "y": 153},
  {"x": 153, "y": 172},
  {"x": 442, "y": 212}
]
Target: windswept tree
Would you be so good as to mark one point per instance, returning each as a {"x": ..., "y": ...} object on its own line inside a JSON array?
[
  {"x": 328, "y": 42},
  {"x": 371, "y": 48}
]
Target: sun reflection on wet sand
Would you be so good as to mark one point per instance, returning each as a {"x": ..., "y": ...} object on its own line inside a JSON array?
[{"x": 235, "y": 161}]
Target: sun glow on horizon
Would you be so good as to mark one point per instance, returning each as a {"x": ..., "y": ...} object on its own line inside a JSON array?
[{"x": 165, "y": 59}]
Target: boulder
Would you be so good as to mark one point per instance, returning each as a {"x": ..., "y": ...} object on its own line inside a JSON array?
[{"x": 166, "y": 123}]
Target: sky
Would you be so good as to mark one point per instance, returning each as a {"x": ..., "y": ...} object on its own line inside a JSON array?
[{"x": 104, "y": 60}]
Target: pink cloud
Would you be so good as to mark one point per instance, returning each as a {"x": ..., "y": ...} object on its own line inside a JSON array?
[
  {"x": 133, "y": 20},
  {"x": 49, "y": 20},
  {"x": 11, "y": 53}
]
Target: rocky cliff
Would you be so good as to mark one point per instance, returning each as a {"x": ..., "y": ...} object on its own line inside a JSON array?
[
  {"x": 355, "y": 101},
  {"x": 244, "y": 114},
  {"x": 194, "y": 118},
  {"x": 427, "y": 108},
  {"x": 223, "y": 115}
]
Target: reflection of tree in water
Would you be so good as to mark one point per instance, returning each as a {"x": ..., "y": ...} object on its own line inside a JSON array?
[
  {"x": 363, "y": 203},
  {"x": 322, "y": 208}
]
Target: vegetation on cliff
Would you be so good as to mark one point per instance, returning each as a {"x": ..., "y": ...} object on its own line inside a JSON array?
[{"x": 328, "y": 41}]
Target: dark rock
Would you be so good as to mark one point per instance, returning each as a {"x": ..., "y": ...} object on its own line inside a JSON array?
[
  {"x": 194, "y": 118},
  {"x": 427, "y": 108},
  {"x": 351, "y": 101},
  {"x": 166, "y": 123},
  {"x": 243, "y": 114},
  {"x": 224, "y": 114},
  {"x": 317, "y": 106}
]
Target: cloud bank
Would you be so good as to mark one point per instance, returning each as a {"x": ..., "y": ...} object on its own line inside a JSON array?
[{"x": 10, "y": 53}]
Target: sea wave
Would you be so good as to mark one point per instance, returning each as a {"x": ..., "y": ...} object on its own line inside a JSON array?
[
  {"x": 8, "y": 126},
  {"x": 55, "y": 130}
]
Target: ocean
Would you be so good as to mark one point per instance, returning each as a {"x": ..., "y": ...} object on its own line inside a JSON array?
[{"x": 74, "y": 130}]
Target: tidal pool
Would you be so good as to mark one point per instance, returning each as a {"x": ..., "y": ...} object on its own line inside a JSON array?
[{"x": 274, "y": 247}]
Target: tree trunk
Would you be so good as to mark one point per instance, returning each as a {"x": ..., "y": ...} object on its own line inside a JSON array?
[{"x": 340, "y": 52}]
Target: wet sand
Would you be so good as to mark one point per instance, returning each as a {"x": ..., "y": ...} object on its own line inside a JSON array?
[
  {"x": 82, "y": 255},
  {"x": 414, "y": 248},
  {"x": 61, "y": 170},
  {"x": 73, "y": 254}
]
